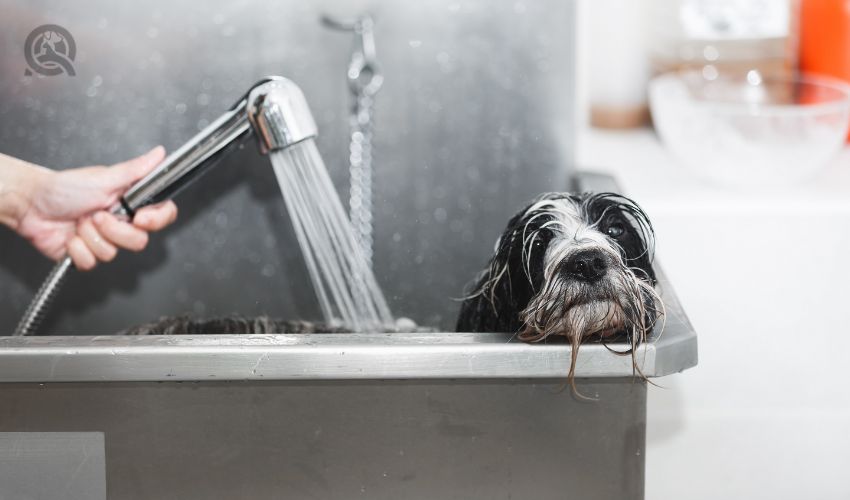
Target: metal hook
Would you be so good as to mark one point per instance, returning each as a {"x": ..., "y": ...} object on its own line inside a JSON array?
[{"x": 364, "y": 71}]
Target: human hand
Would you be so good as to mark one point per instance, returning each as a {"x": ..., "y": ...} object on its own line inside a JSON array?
[{"x": 67, "y": 212}]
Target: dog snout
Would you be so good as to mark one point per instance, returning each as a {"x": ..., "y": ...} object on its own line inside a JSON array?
[{"x": 587, "y": 265}]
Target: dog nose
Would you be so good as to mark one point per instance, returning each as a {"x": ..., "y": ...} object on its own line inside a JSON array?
[{"x": 587, "y": 265}]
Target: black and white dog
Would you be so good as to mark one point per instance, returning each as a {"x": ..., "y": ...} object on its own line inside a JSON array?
[{"x": 578, "y": 266}]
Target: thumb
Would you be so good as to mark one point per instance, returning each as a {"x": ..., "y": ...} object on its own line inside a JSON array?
[{"x": 123, "y": 175}]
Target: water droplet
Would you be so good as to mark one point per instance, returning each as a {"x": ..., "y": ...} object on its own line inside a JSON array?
[{"x": 440, "y": 214}]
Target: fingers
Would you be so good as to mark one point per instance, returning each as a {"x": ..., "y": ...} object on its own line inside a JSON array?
[
  {"x": 156, "y": 217},
  {"x": 119, "y": 233},
  {"x": 102, "y": 249},
  {"x": 98, "y": 241},
  {"x": 83, "y": 258},
  {"x": 121, "y": 176},
  {"x": 98, "y": 238}
]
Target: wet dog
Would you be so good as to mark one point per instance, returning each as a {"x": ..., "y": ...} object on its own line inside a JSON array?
[{"x": 571, "y": 265}]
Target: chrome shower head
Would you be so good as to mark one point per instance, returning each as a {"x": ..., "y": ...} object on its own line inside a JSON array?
[
  {"x": 274, "y": 110},
  {"x": 279, "y": 114}
]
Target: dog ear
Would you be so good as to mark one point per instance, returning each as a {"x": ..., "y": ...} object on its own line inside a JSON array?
[
  {"x": 510, "y": 280},
  {"x": 638, "y": 241}
]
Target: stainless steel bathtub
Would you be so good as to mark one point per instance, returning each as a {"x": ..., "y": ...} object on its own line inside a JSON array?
[{"x": 379, "y": 416}]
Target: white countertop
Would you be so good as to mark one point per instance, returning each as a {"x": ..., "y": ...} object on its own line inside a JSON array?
[{"x": 660, "y": 183}]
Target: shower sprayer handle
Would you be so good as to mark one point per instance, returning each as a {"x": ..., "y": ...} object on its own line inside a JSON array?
[{"x": 187, "y": 163}]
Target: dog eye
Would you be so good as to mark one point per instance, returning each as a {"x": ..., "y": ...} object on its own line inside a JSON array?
[{"x": 615, "y": 230}]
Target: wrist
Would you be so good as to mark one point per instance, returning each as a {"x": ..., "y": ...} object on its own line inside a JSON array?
[{"x": 19, "y": 181}]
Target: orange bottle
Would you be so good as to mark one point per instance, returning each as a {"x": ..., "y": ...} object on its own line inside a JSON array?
[{"x": 825, "y": 38}]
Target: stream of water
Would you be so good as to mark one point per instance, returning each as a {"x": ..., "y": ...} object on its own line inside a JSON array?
[{"x": 345, "y": 286}]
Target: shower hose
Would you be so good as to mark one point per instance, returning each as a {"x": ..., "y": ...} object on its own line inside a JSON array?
[{"x": 38, "y": 307}]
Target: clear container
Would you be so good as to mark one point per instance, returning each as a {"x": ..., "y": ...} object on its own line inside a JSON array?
[{"x": 750, "y": 130}]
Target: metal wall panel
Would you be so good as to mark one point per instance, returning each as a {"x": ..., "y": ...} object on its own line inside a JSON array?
[
  {"x": 464, "y": 440},
  {"x": 473, "y": 120}
]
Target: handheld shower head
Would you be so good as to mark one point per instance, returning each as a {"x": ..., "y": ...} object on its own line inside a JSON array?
[{"x": 274, "y": 110}]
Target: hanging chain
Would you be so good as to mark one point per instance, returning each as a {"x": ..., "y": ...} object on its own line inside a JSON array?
[
  {"x": 360, "y": 170},
  {"x": 364, "y": 81}
]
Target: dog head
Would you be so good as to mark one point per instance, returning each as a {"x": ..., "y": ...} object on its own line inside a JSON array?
[{"x": 578, "y": 266}]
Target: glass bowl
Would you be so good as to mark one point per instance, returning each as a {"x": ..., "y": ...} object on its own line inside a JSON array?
[{"x": 750, "y": 130}]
